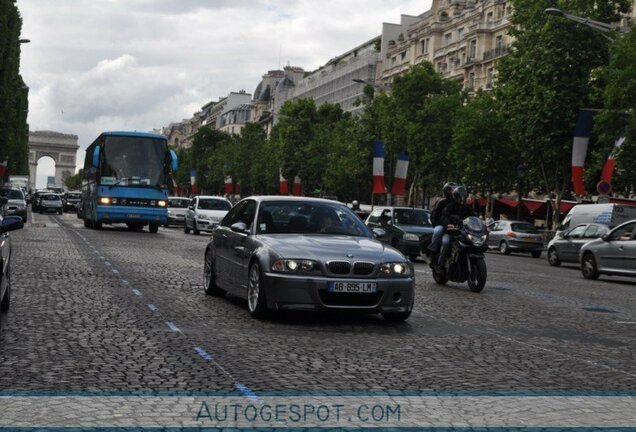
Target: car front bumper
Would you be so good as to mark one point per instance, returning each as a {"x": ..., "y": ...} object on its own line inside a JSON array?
[
  {"x": 17, "y": 212},
  {"x": 176, "y": 219},
  {"x": 286, "y": 291},
  {"x": 124, "y": 214}
]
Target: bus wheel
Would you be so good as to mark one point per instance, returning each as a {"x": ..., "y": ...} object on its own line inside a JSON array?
[{"x": 153, "y": 228}]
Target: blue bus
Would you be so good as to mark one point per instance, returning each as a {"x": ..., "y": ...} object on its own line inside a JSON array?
[{"x": 126, "y": 180}]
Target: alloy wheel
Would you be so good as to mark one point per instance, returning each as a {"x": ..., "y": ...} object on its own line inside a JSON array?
[{"x": 253, "y": 287}]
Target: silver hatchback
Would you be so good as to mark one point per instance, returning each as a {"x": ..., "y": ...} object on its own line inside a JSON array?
[
  {"x": 515, "y": 236},
  {"x": 612, "y": 254},
  {"x": 566, "y": 246}
]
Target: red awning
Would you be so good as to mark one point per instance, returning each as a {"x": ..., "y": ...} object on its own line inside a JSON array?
[
  {"x": 534, "y": 205},
  {"x": 508, "y": 202},
  {"x": 481, "y": 201},
  {"x": 566, "y": 206}
]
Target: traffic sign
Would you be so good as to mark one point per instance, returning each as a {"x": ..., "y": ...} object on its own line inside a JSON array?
[{"x": 604, "y": 187}]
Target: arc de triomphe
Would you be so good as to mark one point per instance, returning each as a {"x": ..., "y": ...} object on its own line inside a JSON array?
[{"x": 62, "y": 148}]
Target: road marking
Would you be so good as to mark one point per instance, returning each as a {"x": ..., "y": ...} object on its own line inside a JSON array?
[
  {"x": 115, "y": 271},
  {"x": 203, "y": 354},
  {"x": 246, "y": 391},
  {"x": 625, "y": 322},
  {"x": 107, "y": 263},
  {"x": 172, "y": 327},
  {"x": 136, "y": 292},
  {"x": 152, "y": 307},
  {"x": 125, "y": 282}
]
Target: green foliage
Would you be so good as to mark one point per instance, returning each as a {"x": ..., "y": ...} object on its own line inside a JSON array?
[
  {"x": 209, "y": 148},
  {"x": 481, "y": 149},
  {"x": 74, "y": 182},
  {"x": 13, "y": 92},
  {"x": 546, "y": 78}
]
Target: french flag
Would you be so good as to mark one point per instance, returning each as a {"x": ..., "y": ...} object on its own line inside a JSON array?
[
  {"x": 579, "y": 149},
  {"x": 399, "y": 182},
  {"x": 297, "y": 191},
  {"x": 378, "y": 167},
  {"x": 283, "y": 185},
  {"x": 610, "y": 163},
  {"x": 229, "y": 186}
]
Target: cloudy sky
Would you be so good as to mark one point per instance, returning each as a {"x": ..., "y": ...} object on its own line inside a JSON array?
[{"x": 96, "y": 65}]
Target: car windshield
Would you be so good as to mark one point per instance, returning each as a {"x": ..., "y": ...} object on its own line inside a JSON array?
[
  {"x": 51, "y": 197},
  {"x": 412, "y": 216},
  {"x": 287, "y": 217},
  {"x": 11, "y": 194},
  {"x": 179, "y": 202},
  {"x": 525, "y": 228},
  {"x": 214, "y": 204},
  {"x": 73, "y": 196}
]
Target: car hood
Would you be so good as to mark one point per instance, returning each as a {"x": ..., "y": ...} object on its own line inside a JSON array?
[
  {"x": 16, "y": 202},
  {"x": 415, "y": 229},
  {"x": 177, "y": 211},
  {"x": 213, "y": 213},
  {"x": 321, "y": 247}
]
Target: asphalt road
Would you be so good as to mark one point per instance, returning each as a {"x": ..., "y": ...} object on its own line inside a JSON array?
[{"x": 119, "y": 310}]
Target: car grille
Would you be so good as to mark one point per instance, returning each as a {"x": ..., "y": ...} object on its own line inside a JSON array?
[
  {"x": 339, "y": 267},
  {"x": 349, "y": 299},
  {"x": 363, "y": 268}
]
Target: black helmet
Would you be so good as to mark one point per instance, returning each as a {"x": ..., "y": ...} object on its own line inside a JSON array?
[
  {"x": 448, "y": 189},
  {"x": 460, "y": 194}
]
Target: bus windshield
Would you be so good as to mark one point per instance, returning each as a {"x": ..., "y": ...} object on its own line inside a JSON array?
[{"x": 134, "y": 161}]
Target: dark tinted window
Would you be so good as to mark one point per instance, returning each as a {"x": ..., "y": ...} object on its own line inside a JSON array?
[
  {"x": 51, "y": 198},
  {"x": 525, "y": 228},
  {"x": 577, "y": 232},
  {"x": 134, "y": 161},
  {"x": 214, "y": 204},
  {"x": 179, "y": 202},
  {"x": 594, "y": 231},
  {"x": 73, "y": 196},
  {"x": 11, "y": 194},
  {"x": 412, "y": 217}
]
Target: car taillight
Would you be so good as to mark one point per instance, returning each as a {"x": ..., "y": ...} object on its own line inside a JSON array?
[{"x": 511, "y": 234}]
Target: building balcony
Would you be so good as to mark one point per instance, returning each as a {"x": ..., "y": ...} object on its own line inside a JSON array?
[{"x": 495, "y": 53}]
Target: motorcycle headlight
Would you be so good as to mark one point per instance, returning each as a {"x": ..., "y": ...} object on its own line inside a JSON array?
[
  {"x": 477, "y": 240},
  {"x": 396, "y": 269},
  {"x": 411, "y": 237},
  {"x": 294, "y": 265}
]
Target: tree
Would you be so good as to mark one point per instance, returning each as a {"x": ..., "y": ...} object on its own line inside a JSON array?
[
  {"x": 13, "y": 92},
  {"x": 545, "y": 79},
  {"x": 481, "y": 147},
  {"x": 208, "y": 159},
  {"x": 74, "y": 182}
]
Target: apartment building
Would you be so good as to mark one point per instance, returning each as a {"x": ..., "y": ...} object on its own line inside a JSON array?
[{"x": 462, "y": 39}]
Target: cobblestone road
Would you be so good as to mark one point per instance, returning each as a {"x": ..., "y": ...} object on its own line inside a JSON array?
[{"x": 118, "y": 310}]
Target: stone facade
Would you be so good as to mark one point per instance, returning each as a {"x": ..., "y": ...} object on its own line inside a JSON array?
[
  {"x": 234, "y": 120},
  {"x": 462, "y": 38},
  {"x": 60, "y": 147}
]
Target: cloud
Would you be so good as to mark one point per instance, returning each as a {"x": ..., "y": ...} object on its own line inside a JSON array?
[{"x": 139, "y": 64}]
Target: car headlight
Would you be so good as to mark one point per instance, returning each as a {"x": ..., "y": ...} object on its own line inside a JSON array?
[
  {"x": 162, "y": 203},
  {"x": 105, "y": 200},
  {"x": 411, "y": 237},
  {"x": 477, "y": 240},
  {"x": 203, "y": 217},
  {"x": 294, "y": 265},
  {"x": 396, "y": 269}
]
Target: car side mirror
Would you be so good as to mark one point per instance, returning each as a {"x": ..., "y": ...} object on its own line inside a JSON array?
[
  {"x": 11, "y": 223},
  {"x": 239, "y": 227},
  {"x": 96, "y": 157},
  {"x": 605, "y": 237},
  {"x": 379, "y": 233},
  {"x": 174, "y": 160}
]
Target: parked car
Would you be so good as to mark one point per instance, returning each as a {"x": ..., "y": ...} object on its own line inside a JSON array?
[
  {"x": 306, "y": 254},
  {"x": 612, "y": 254},
  {"x": 50, "y": 203},
  {"x": 70, "y": 201},
  {"x": 408, "y": 229},
  {"x": 16, "y": 203},
  {"x": 515, "y": 236},
  {"x": 205, "y": 213},
  {"x": 177, "y": 208},
  {"x": 7, "y": 223},
  {"x": 566, "y": 246}
]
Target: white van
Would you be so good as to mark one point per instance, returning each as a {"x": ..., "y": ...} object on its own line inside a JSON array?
[{"x": 607, "y": 214}]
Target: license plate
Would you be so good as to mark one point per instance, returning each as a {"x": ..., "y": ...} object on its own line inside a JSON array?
[
  {"x": 353, "y": 287},
  {"x": 530, "y": 238}
]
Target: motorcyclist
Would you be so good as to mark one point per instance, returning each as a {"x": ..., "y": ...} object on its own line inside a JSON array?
[
  {"x": 453, "y": 214},
  {"x": 436, "y": 217}
]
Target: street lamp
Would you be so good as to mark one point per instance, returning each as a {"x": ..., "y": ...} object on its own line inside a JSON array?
[
  {"x": 521, "y": 173},
  {"x": 598, "y": 26}
]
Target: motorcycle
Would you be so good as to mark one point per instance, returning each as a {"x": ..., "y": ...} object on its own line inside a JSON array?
[{"x": 466, "y": 261}]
